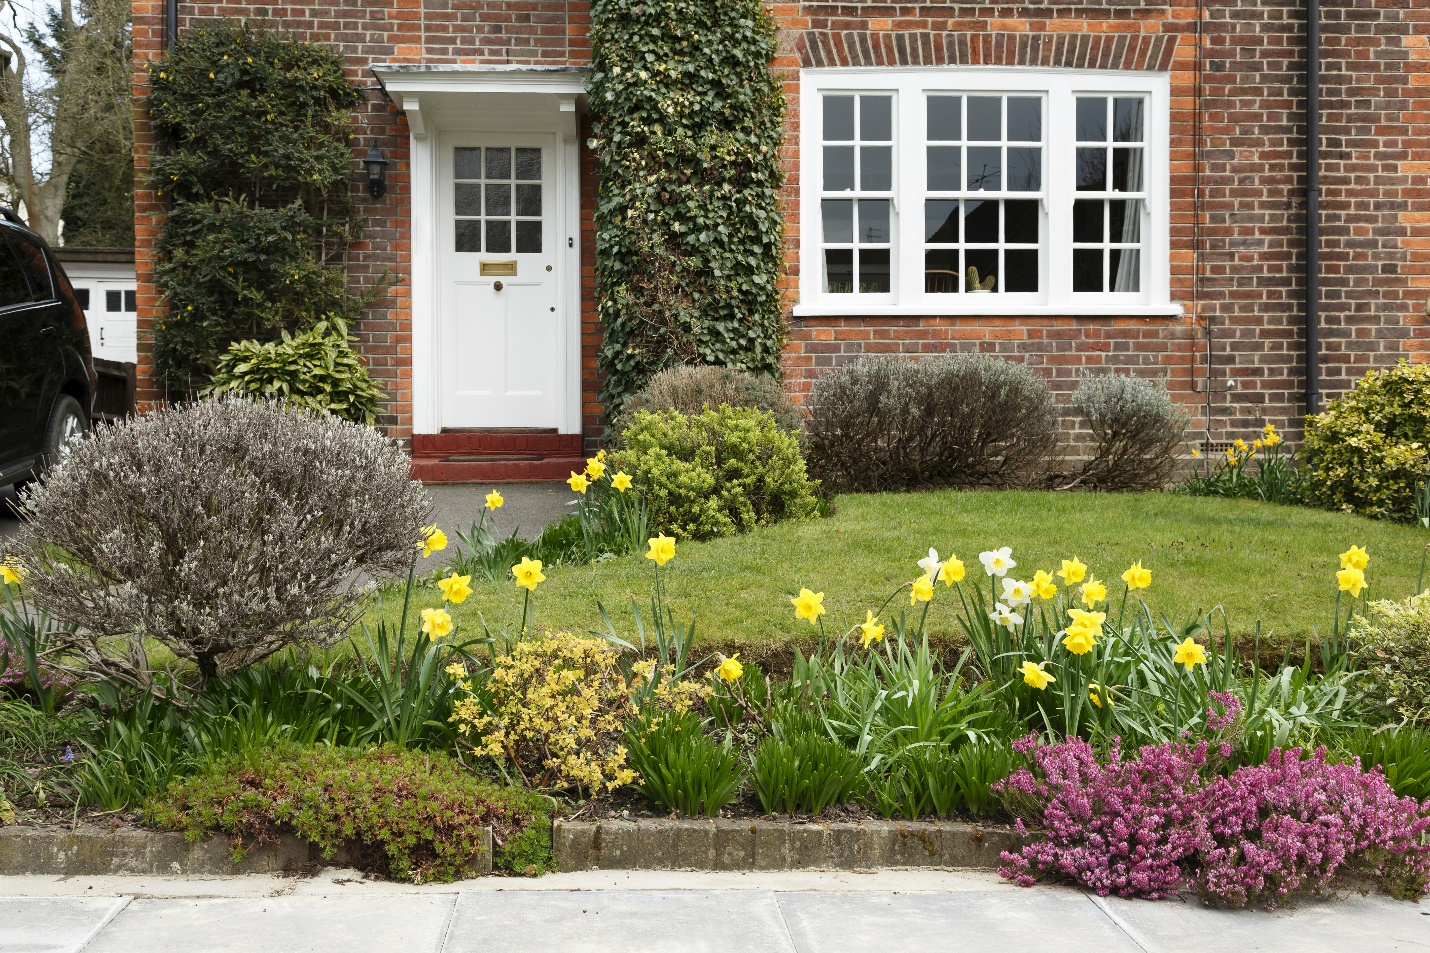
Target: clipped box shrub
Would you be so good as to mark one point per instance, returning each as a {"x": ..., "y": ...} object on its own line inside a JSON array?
[
  {"x": 715, "y": 473},
  {"x": 1136, "y": 428},
  {"x": 1367, "y": 450},
  {"x": 691, "y": 389},
  {"x": 317, "y": 370},
  {"x": 225, "y": 530},
  {"x": 410, "y": 815},
  {"x": 966, "y": 420},
  {"x": 1391, "y": 640}
]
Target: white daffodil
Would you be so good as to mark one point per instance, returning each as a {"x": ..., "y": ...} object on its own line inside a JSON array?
[
  {"x": 931, "y": 564},
  {"x": 1016, "y": 592},
  {"x": 997, "y": 562},
  {"x": 1005, "y": 616}
]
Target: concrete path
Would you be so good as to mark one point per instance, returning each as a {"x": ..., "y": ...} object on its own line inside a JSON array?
[{"x": 662, "y": 912}]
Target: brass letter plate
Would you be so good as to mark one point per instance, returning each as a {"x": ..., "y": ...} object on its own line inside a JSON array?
[{"x": 505, "y": 268}]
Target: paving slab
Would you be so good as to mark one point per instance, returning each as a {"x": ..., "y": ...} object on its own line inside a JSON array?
[
  {"x": 528, "y": 508},
  {"x": 1045, "y": 920},
  {"x": 53, "y": 924},
  {"x": 373, "y": 924},
  {"x": 618, "y": 922},
  {"x": 1353, "y": 924}
]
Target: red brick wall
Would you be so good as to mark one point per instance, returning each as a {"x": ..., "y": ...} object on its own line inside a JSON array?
[{"x": 1238, "y": 267}]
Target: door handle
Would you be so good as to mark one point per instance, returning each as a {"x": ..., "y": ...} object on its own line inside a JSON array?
[
  {"x": 496, "y": 285},
  {"x": 47, "y": 330}
]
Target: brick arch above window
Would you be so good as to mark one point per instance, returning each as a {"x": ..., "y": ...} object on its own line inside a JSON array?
[{"x": 826, "y": 48}]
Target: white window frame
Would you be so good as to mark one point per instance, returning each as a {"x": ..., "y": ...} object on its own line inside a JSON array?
[{"x": 1058, "y": 88}]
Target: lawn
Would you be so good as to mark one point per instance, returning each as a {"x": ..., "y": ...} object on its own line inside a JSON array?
[{"x": 1275, "y": 564}]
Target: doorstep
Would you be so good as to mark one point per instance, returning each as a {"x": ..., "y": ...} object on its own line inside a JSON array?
[
  {"x": 727, "y": 844},
  {"x": 496, "y": 456}
]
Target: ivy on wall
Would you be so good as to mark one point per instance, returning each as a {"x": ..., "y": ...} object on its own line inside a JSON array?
[
  {"x": 256, "y": 160},
  {"x": 687, "y": 127}
]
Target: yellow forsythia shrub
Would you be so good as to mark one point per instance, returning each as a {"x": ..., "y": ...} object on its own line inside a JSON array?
[{"x": 554, "y": 710}]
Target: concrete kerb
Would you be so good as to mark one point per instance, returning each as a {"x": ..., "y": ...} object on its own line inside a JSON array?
[{"x": 721, "y": 844}]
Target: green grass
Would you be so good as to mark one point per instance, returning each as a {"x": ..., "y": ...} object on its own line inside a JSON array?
[{"x": 1259, "y": 561}]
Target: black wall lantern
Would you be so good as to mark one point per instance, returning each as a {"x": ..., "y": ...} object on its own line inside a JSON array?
[{"x": 376, "y": 172}]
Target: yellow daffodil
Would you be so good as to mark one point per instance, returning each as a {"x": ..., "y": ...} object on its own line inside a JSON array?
[
  {"x": 1093, "y": 695},
  {"x": 1073, "y": 572},
  {"x": 1093, "y": 592},
  {"x": 921, "y": 589},
  {"x": 1240, "y": 445},
  {"x": 1272, "y": 439},
  {"x": 595, "y": 468},
  {"x": 11, "y": 574},
  {"x": 1351, "y": 580},
  {"x": 1136, "y": 577},
  {"x": 457, "y": 670},
  {"x": 621, "y": 481},
  {"x": 1081, "y": 618},
  {"x": 1034, "y": 676},
  {"x": 436, "y": 623},
  {"x": 731, "y": 669},
  {"x": 1196, "y": 453},
  {"x": 455, "y": 588},
  {"x": 1043, "y": 585},
  {"x": 662, "y": 549},
  {"x": 1079, "y": 641},
  {"x": 528, "y": 573},
  {"x": 433, "y": 540},
  {"x": 1257, "y": 444},
  {"x": 601, "y": 455},
  {"x": 578, "y": 482},
  {"x": 808, "y": 605},
  {"x": 1355, "y": 558},
  {"x": 870, "y": 630},
  {"x": 1269, "y": 429},
  {"x": 1189, "y": 654},
  {"x": 494, "y": 500},
  {"x": 951, "y": 571},
  {"x": 1231, "y": 456}
]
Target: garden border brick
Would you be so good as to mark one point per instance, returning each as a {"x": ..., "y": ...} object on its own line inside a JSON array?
[
  {"x": 722, "y": 844},
  {"x": 89, "y": 851}
]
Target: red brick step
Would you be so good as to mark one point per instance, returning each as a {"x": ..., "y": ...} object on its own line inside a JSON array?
[{"x": 515, "y": 455}]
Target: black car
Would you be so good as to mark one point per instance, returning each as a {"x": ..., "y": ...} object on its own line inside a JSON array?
[{"x": 47, "y": 377}]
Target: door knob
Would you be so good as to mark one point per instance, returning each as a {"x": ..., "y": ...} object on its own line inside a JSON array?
[{"x": 496, "y": 286}]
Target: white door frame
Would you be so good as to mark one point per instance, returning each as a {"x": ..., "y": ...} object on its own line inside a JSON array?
[{"x": 493, "y": 101}]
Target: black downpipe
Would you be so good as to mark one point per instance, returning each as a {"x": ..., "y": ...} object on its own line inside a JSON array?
[
  {"x": 1313, "y": 205},
  {"x": 171, "y": 22}
]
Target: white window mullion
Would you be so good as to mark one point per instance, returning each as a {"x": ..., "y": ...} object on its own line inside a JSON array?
[
  {"x": 909, "y": 176},
  {"x": 1061, "y": 184}
]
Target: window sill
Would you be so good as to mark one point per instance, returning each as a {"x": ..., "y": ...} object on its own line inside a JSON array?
[{"x": 1109, "y": 310}]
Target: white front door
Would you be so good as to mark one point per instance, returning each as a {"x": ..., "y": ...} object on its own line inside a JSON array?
[{"x": 501, "y": 327}]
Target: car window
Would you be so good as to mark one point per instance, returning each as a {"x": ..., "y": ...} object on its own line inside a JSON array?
[
  {"x": 37, "y": 269},
  {"x": 14, "y": 289}
]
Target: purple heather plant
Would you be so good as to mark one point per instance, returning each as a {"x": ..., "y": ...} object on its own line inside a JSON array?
[{"x": 1169, "y": 820}]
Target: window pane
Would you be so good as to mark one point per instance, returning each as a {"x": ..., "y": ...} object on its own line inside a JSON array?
[
  {"x": 873, "y": 221},
  {"x": 874, "y": 271},
  {"x": 1087, "y": 220},
  {"x": 469, "y": 163},
  {"x": 1092, "y": 120},
  {"x": 838, "y": 168},
  {"x": 1020, "y": 222},
  {"x": 469, "y": 236},
  {"x": 876, "y": 168},
  {"x": 1025, "y": 169},
  {"x": 82, "y": 296},
  {"x": 941, "y": 221},
  {"x": 1087, "y": 269},
  {"x": 528, "y": 200},
  {"x": 1127, "y": 170},
  {"x": 498, "y": 163},
  {"x": 14, "y": 289},
  {"x": 1124, "y": 222},
  {"x": 1020, "y": 270},
  {"x": 131, "y": 301},
  {"x": 528, "y": 238},
  {"x": 1025, "y": 119},
  {"x": 838, "y": 221},
  {"x": 1123, "y": 270},
  {"x": 985, "y": 118},
  {"x": 499, "y": 235},
  {"x": 838, "y": 118},
  {"x": 1092, "y": 170},
  {"x": 941, "y": 275},
  {"x": 113, "y": 300},
  {"x": 469, "y": 198},
  {"x": 980, "y": 222},
  {"x": 839, "y": 270},
  {"x": 37, "y": 269},
  {"x": 498, "y": 200},
  {"x": 983, "y": 262},
  {"x": 944, "y": 173},
  {"x": 945, "y": 118},
  {"x": 876, "y": 118},
  {"x": 1127, "y": 120},
  {"x": 528, "y": 164},
  {"x": 985, "y": 168}
]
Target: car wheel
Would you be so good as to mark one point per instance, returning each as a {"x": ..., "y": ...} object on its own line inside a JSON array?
[{"x": 68, "y": 423}]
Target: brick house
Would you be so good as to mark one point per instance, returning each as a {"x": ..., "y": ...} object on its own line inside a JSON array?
[{"x": 1131, "y": 173}]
